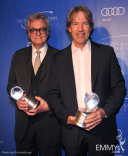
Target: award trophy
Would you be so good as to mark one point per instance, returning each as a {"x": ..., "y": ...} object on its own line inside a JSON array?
[
  {"x": 91, "y": 104},
  {"x": 18, "y": 93}
]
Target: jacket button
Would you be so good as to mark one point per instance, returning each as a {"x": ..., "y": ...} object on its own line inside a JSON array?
[{"x": 34, "y": 92}]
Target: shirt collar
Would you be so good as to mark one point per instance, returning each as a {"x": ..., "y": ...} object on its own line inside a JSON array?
[
  {"x": 87, "y": 46},
  {"x": 43, "y": 49}
]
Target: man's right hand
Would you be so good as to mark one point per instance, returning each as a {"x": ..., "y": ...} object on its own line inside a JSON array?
[
  {"x": 71, "y": 120},
  {"x": 22, "y": 105}
]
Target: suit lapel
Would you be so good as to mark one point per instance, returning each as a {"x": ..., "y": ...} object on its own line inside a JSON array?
[
  {"x": 28, "y": 61},
  {"x": 46, "y": 63},
  {"x": 68, "y": 64},
  {"x": 95, "y": 60}
]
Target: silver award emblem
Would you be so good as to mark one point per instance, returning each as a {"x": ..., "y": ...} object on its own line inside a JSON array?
[
  {"x": 91, "y": 104},
  {"x": 18, "y": 93}
]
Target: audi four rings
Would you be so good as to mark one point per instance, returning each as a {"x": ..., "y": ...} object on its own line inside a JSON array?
[{"x": 112, "y": 11}]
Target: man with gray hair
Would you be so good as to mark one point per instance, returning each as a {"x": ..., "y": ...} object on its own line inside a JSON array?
[{"x": 35, "y": 129}]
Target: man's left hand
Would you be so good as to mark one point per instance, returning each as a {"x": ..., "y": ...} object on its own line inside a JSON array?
[
  {"x": 94, "y": 119},
  {"x": 43, "y": 107}
]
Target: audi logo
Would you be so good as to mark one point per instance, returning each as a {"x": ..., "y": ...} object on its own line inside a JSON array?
[{"x": 112, "y": 11}]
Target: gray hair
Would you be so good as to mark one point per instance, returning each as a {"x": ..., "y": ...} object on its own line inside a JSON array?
[{"x": 36, "y": 16}]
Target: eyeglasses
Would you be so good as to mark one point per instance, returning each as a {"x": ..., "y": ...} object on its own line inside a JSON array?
[{"x": 41, "y": 30}]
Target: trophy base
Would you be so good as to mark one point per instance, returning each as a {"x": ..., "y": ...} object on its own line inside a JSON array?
[
  {"x": 80, "y": 117},
  {"x": 79, "y": 124},
  {"x": 32, "y": 102}
]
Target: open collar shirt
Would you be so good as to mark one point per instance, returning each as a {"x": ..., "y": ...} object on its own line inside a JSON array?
[{"x": 82, "y": 71}]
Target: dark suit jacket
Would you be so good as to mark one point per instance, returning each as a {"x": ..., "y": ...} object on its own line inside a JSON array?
[
  {"x": 107, "y": 82},
  {"x": 20, "y": 75}
]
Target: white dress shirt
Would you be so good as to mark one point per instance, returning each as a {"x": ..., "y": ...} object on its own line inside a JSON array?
[
  {"x": 82, "y": 71},
  {"x": 43, "y": 51}
]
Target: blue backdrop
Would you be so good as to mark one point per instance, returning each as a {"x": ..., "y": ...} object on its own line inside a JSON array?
[{"x": 111, "y": 28}]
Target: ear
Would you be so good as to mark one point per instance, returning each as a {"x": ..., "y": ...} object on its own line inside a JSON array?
[
  {"x": 48, "y": 34},
  {"x": 69, "y": 29}
]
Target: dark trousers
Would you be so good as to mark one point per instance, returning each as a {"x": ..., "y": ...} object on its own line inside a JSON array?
[
  {"x": 91, "y": 144},
  {"x": 33, "y": 143}
]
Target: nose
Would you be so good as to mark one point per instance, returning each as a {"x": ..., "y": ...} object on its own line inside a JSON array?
[
  {"x": 38, "y": 32},
  {"x": 80, "y": 28}
]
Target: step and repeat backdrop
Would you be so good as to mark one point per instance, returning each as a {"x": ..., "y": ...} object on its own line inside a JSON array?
[{"x": 111, "y": 28}]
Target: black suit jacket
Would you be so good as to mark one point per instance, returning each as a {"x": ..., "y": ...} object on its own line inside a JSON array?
[
  {"x": 107, "y": 82},
  {"x": 20, "y": 75}
]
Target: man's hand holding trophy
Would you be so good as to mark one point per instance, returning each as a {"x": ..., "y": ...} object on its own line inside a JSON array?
[
  {"x": 18, "y": 93},
  {"x": 91, "y": 105}
]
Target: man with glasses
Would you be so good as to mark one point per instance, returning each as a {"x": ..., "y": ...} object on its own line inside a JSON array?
[{"x": 35, "y": 129}]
